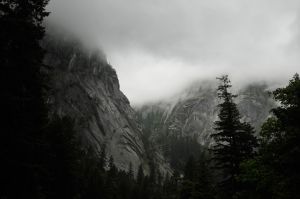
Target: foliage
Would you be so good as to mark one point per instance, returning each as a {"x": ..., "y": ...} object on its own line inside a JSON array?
[
  {"x": 234, "y": 139},
  {"x": 275, "y": 173},
  {"x": 42, "y": 157},
  {"x": 180, "y": 148},
  {"x": 197, "y": 181},
  {"x": 23, "y": 147}
]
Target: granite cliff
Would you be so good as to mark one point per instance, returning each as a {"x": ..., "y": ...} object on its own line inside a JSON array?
[
  {"x": 192, "y": 113},
  {"x": 86, "y": 88}
]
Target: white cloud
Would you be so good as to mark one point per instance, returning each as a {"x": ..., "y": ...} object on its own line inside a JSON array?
[{"x": 159, "y": 46}]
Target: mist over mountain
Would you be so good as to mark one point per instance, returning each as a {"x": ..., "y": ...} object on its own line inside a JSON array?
[
  {"x": 177, "y": 132},
  {"x": 86, "y": 88},
  {"x": 191, "y": 114},
  {"x": 165, "y": 46}
]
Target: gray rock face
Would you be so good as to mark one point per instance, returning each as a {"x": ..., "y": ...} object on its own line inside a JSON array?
[
  {"x": 255, "y": 103},
  {"x": 194, "y": 111},
  {"x": 86, "y": 88}
]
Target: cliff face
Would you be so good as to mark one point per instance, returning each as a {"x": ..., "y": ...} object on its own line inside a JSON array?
[
  {"x": 194, "y": 111},
  {"x": 86, "y": 88}
]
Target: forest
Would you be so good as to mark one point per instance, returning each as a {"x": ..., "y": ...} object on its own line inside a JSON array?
[{"x": 42, "y": 157}]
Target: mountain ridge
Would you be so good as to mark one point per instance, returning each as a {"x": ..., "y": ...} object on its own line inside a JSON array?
[
  {"x": 192, "y": 115},
  {"x": 86, "y": 88}
]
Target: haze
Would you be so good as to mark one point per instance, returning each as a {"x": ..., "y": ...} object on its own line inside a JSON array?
[{"x": 159, "y": 47}]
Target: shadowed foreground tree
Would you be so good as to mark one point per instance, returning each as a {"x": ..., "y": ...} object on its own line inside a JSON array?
[
  {"x": 41, "y": 157},
  {"x": 23, "y": 111},
  {"x": 275, "y": 172},
  {"x": 234, "y": 139},
  {"x": 197, "y": 181}
]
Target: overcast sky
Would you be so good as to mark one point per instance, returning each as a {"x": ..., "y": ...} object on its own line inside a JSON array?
[{"x": 158, "y": 47}]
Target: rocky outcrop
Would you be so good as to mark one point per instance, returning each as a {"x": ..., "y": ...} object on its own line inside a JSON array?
[
  {"x": 193, "y": 112},
  {"x": 86, "y": 88}
]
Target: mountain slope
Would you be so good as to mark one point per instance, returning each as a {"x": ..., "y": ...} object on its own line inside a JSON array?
[
  {"x": 192, "y": 114},
  {"x": 86, "y": 88}
]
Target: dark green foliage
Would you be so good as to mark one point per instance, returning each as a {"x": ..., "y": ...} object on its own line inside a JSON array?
[
  {"x": 257, "y": 180},
  {"x": 42, "y": 157},
  {"x": 23, "y": 111},
  {"x": 187, "y": 185},
  {"x": 275, "y": 173},
  {"x": 235, "y": 141},
  {"x": 102, "y": 158},
  {"x": 171, "y": 186},
  {"x": 179, "y": 148},
  {"x": 190, "y": 169},
  {"x": 197, "y": 181},
  {"x": 64, "y": 156},
  {"x": 204, "y": 179},
  {"x": 140, "y": 175},
  {"x": 130, "y": 171}
]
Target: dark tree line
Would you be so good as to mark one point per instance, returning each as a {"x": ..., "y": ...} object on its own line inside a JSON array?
[
  {"x": 240, "y": 165},
  {"x": 23, "y": 111},
  {"x": 275, "y": 171},
  {"x": 178, "y": 149},
  {"x": 42, "y": 157}
]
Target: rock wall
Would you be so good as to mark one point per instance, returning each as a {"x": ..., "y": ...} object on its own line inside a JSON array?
[
  {"x": 193, "y": 112},
  {"x": 86, "y": 88}
]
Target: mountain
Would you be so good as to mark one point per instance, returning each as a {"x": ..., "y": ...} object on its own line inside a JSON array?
[
  {"x": 86, "y": 88},
  {"x": 191, "y": 115}
]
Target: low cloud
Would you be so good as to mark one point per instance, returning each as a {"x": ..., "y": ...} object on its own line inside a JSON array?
[{"x": 159, "y": 47}]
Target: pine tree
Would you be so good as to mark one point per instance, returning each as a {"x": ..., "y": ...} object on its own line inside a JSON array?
[
  {"x": 274, "y": 172},
  {"x": 23, "y": 111},
  {"x": 102, "y": 158},
  {"x": 190, "y": 168},
  {"x": 139, "y": 189},
  {"x": 130, "y": 172},
  {"x": 112, "y": 168},
  {"x": 234, "y": 140},
  {"x": 111, "y": 180},
  {"x": 188, "y": 183},
  {"x": 140, "y": 175},
  {"x": 203, "y": 188},
  {"x": 279, "y": 151},
  {"x": 64, "y": 159}
]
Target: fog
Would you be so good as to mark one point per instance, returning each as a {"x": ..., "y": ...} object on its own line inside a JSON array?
[{"x": 159, "y": 47}]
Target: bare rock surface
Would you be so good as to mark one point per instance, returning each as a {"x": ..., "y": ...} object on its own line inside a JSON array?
[{"x": 86, "y": 88}]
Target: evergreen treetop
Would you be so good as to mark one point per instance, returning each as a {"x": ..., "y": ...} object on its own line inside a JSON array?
[{"x": 234, "y": 140}]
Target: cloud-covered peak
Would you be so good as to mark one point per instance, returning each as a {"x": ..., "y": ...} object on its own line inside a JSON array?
[{"x": 158, "y": 47}]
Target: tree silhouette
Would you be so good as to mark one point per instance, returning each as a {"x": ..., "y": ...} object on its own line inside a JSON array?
[
  {"x": 234, "y": 140},
  {"x": 24, "y": 112}
]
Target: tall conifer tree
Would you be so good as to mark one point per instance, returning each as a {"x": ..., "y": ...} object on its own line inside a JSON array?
[
  {"x": 23, "y": 111},
  {"x": 234, "y": 140}
]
